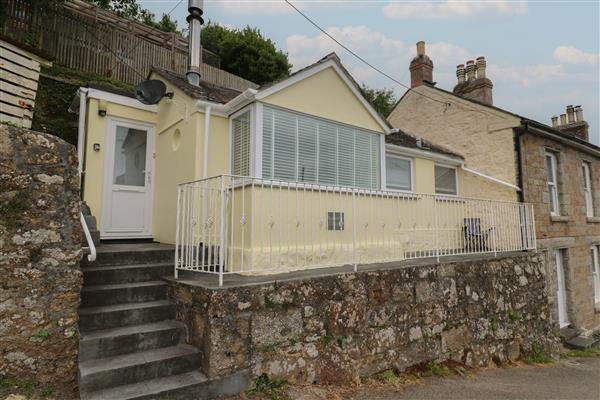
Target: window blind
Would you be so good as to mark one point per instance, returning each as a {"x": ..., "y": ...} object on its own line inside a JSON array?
[
  {"x": 306, "y": 149},
  {"x": 241, "y": 145}
]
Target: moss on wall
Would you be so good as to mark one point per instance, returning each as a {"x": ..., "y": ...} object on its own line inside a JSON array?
[{"x": 57, "y": 88}]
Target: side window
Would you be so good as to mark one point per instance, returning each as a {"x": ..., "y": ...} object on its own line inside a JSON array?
[
  {"x": 552, "y": 181},
  {"x": 240, "y": 157},
  {"x": 445, "y": 180},
  {"x": 398, "y": 173},
  {"x": 587, "y": 189}
]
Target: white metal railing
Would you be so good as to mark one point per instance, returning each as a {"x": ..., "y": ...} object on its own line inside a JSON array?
[
  {"x": 232, "y": 224},
  {"x": 88, "y": 237}
]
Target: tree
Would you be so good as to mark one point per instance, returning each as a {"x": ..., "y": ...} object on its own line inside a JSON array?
[
  {"x": 382, "y": 100},
  {"x": 246, "y": 53},
  {"x": 132, "y": 9}
]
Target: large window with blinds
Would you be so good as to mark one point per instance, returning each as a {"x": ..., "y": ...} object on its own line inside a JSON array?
[
  {"x": 300, "y": 148},
  {"x": 241, "y": 145}
]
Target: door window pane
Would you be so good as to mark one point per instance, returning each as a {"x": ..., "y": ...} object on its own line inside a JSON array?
[
  {"x": 445, "y": 180},
  {"x": 398, "y": 173},
  {"x": 130, "y": 157}
]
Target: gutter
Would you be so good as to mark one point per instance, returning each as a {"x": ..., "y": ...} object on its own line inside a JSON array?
[
  {"x": 559, "y": 138},
  {"x": 246, "y": 97},
  {"x": 81, "y": 139}
]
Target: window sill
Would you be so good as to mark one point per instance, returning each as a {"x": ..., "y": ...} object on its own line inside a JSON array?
[
  {"x": 593, "y": 220},
  {"x": 559, "y": 218}
]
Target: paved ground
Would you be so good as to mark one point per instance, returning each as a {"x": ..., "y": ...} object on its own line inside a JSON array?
[{"x": 572, "y": 379}]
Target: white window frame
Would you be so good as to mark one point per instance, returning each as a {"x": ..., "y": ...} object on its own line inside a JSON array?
[
  {"x": 233, "y": 116},
  {"x": 587, "y": 189},
  {"x": 552, "y": 194},
  {"x": 455, "y": 177},
  {"x": 595, "y": 266},
  {"x": 412, "y": 173}
]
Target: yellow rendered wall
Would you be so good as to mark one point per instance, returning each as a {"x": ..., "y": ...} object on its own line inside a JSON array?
[
  {"x": 94, "y": 160},
  {"x": 423, "y": 175},
  {"x": 327, "y": 96}
]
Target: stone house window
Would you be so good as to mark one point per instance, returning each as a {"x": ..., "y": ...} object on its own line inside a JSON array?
[
  {"x": 587, "y": 189},
  {"x": 552, "y": 181},
  {"x": 595, "y": 264}
]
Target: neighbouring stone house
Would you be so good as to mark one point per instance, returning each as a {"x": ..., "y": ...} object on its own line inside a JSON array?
[{"x": 554, "y": 167}]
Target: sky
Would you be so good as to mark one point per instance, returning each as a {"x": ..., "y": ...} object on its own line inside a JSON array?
[{"x": 541, "y": 55}]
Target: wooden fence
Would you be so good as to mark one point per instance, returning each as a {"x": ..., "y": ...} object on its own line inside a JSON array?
[{"x": 82, "y": 36}]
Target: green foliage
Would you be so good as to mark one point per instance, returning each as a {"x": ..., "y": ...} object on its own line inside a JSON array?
[
  {"x": 246, "y": 53},
  {"x": 437, "y": 369},
  {"x": 41, "y": 335},
  {"x": 55, "y": 95},
  {"x": 14, "y": 383},
  {"x": 271, "y": 388},
  {"x": 514, "y": 315},
  {"x": 12, "y": 207},
  {"x": 132, "y": 9},
  {"x": 47, "y": 391},
  {"x": 327, "y": 339},
  {"x": 537, "y": 355},
  {"x": 382, "y": 100},
  {"x": 390, "y": 376},
  {"x": 583, "y": 353}
]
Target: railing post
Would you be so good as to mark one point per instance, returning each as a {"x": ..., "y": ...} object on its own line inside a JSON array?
[
  {"x": 222, "y": 233},
  {"x": 436, "y": 229},
  {"x": 177, "y": 231},
  {"x": 354, "y": 229},
  {"x": 495, "y": 228}
]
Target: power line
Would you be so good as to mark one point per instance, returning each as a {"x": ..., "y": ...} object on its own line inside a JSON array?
[{"x": 306, "y": 17}]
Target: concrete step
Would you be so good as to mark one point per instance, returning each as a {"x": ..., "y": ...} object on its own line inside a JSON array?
[
  {"x": 119, "y": 315},
  {"x": 568, "y": 333},
  {"x": 125, "y": 273},
  {"x": 190, "y": 385},
  {"x": 582, "y": 342},
  {"x": 104, "y": 295},
  {"x": 128, "y": 254},
  {"x": 105, "y": 373},
  {"x": 129, "y": 339}
]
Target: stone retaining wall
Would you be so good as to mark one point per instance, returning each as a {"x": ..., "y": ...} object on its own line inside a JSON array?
[
  {"x": 40, "y": 249},
  {"x": 341, "y": 327}
]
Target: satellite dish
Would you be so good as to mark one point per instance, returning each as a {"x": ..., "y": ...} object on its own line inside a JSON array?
[{"x": 150, "y": 92}]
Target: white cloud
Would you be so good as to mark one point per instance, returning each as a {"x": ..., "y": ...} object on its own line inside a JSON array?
[
  {"x": 444, "y": 53},
  {"x": 451, "y": 9},
  {"x": 572, "y": 55},
  {"x": 246, "y": 7},
  {"x": 527, "y": 75}
]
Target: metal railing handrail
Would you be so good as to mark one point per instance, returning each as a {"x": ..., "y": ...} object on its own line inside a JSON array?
[
  {"x": 88, "y": 237},
  {"x": 349, "y": 189}
]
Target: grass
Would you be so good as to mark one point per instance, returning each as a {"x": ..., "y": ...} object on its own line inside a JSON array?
[
  {"x": 272, "y": 388},
  {"x": 390, "y": 376},
  {"x": 514, "y": 315},
  {"x": 537, "y": 355},
  {"x": 586, "y": 353},
  {"x": 41, "y": 335},
  {"x": 436, "y": 369},
  {"x": 14, "y": 383}
]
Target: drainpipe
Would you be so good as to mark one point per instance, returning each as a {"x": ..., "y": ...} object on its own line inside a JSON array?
[
  {"x": 518, "y": 149},
  {"x": 81, "y": 135},
  {"x": 207, "y": 111}
]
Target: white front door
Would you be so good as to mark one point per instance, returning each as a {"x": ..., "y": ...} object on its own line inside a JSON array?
[
  {"x": 561, "y": 297},
  {"x": 129, "y": 165}
]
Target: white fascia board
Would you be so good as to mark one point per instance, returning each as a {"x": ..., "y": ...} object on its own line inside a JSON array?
[
  {"x": 225, "y": 110},
  {"x": 409, "y": 151},
  {"x": 119, "y": 99},
  {"x": 315, "y": 70}
]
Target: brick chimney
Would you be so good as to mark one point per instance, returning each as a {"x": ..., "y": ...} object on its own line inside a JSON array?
[
  {"x": 473, "y": 83},
  {"x": 421, "y": 67},
  {"x": 572, "y": 123}
]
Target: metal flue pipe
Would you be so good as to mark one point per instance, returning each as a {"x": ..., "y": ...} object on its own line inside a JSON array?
[{"x": 195, "y": 22}]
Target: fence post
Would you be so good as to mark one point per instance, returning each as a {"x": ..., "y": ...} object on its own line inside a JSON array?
[
  {"x": 222, "y": 233},
  {"x": 354, "y": 229},
  {"x": 495, "y": 228},
  {"x": 436, "y": 229},
  {"x": 177, "y": 231}
]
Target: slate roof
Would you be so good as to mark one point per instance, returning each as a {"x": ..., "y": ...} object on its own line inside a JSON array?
[
  {"x": 205, "y": 91},
  {"x": 404, "y": 139}
]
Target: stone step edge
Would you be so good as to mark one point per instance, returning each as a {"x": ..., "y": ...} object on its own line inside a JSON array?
[
  {"x": 117, "y": 286},
  {"x": 123, "y": 307},
  {"x": 165, "y": 325}
]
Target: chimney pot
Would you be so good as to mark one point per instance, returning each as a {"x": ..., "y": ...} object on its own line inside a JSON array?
[
  {"x": 579, "y": 114},
  {"x": 481, "y": 64},
  {"x": 195, "y": 22},
  {"x": 563, "y": 119},
  {"x": 460, "y": 73},
  {"x": 470, "y": 70},
  {"x": 420, "y": 48},
  {"x": 554, "y": 121},
  {"x": 570, "y": 114}
]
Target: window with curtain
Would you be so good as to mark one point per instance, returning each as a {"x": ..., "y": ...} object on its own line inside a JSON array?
[
  {"x": 445, "y": 180},
  {"x": 398, "y": 173},
  {"x": 241, "y": 145},
  {"x": 306, "y": 149}
]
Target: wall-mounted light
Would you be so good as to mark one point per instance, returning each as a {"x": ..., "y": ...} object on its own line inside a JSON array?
[
  {"x": 96, "y": 146},
  {"x": 102, "y": 108}
]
